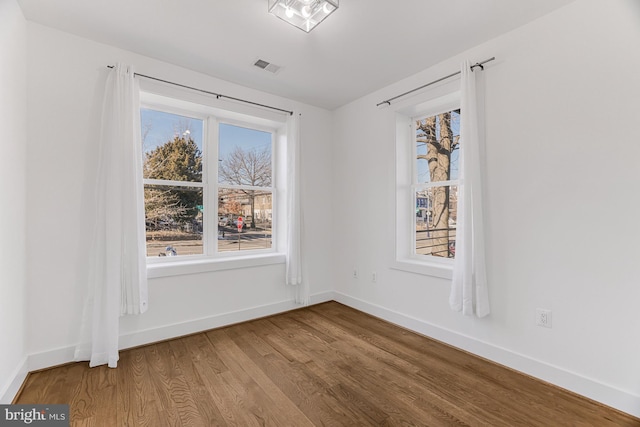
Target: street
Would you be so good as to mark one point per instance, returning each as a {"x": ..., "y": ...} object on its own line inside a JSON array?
[{"x": 231, "y": 241}]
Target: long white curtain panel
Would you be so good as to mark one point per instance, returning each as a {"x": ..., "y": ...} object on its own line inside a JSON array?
[
  {"x": 294, "y": 212},
  {"x": 117, "y": 279},
  {"x": 469, "y": 292}
]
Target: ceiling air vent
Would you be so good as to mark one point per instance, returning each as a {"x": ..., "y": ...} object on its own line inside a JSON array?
[{"x": 272, "y": 68}]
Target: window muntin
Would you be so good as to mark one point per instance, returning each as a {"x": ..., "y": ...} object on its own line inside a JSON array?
[
  {"x": 435, "y": 179},
  {"x": 182, "y": 215}
]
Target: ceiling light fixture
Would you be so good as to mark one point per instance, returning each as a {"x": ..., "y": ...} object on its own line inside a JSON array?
[{"x": 303, "y": 14}]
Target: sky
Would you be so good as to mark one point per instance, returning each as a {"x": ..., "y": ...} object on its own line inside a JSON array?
[
  {"x": 248, "y": 139},
  {"x": 161, "y": 127}
]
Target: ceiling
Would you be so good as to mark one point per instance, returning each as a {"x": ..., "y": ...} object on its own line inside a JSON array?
[{"x": 364, "y": 46}]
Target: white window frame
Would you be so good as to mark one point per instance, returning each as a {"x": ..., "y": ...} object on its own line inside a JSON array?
[
  {"x": 213, "y": 115},
  {"x": 406, "y": 184},
  {"x": 272, "y": 188}
]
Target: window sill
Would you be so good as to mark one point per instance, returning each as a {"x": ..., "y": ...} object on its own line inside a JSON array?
[
  {"x": 196, "y": 266},
  {"x": 426, "y": 268}
]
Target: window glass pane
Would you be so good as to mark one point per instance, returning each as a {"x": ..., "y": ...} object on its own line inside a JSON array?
[
  {"x": 244, "y": 156},
  {"x": 437, "y": 139},
  {"x": 436, "y": 216},
  {"x": 256, "y": 210},
  {"x": 172, "y": 146},
  {"x": 173, "y": 217}
]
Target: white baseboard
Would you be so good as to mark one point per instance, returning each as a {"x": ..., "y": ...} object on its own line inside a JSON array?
[
  {"x": 9, "y": 391},
  {"x": 193, "y": 326},
  {"x": 590, "y": 388},
  {"x": 49, "y": 358},
  {"x": 63, "y": 355}
]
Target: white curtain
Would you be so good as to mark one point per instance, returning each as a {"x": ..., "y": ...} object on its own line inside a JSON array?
[
  {"x": 294, "y": 214},
  {"x": 117, "y": 280},
  {"x": 469, "y": 292}
]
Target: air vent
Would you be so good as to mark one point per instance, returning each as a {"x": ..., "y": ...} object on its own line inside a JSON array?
[{"x": 272, "y": 68}]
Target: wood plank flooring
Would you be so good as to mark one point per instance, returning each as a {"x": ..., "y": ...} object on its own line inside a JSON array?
[{"x": 324, "y": 365}]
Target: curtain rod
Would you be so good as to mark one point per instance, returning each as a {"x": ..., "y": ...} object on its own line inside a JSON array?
[
  {"x": 477, "y": 64},
  {"x": 217, "y": 95}
]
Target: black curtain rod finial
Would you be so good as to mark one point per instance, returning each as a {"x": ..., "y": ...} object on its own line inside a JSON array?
[{"x": 477, "y": 64}]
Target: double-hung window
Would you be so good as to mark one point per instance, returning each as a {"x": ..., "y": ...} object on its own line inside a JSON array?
[
  {"x": 174, "y": 184},
  {"x": 427, "y": 166},
  {"x": 209, "y": 182},
  {"x": 245, "y": 188},
  {"x": 435, "y": 183}
]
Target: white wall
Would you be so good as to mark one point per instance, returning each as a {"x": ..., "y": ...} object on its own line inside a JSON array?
[
  {"x": 563, "y": 160},
  {"x": 13, "y": 115},
  {"x": 562, "y": 157},
  {"x": 66, "y": 79}
]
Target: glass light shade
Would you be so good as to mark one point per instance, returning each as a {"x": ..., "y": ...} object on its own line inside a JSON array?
[{"x": 303, "y": 14}]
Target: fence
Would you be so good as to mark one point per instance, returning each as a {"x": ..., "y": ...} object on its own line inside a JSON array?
[{"x": 437, "y": 242}]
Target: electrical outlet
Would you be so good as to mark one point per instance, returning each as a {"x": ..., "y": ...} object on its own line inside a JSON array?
[
  {"x": 374, "y": 277},
  {"x": 355, "y": 273},
  {"x": 543, "y": 317}
]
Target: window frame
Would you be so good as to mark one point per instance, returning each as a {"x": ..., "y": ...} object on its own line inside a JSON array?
[
  {"x": 417, "y": 186},
  {"x": 272, "y": 189},
  {"x": 173, "y": 183},
  {"x": 406, "y": 258},
  {"x": 211, "y": 259}
]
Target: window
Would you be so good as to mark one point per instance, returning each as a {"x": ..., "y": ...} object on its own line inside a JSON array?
[
  {"x": 244, "y": 188},
  {"x": 208, "y": 183},
  {"x": 427, "y": 165},
  {"x": 435, "y": 189},
  {"x": 173, "y": 183}
]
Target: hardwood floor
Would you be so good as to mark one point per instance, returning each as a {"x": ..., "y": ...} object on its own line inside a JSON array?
[{"x": 322, "y": 365}]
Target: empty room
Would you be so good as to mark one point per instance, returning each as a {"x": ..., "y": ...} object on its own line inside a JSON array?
[{"x": 319, "y": 212}]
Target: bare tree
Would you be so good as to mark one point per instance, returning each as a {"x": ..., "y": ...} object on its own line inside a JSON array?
[
  {"x": 247, "y": 168},
  {"x": 440, "y": 143},
  {"x": 161, "y": 205},
  {"x": 147, "y": 126}
]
